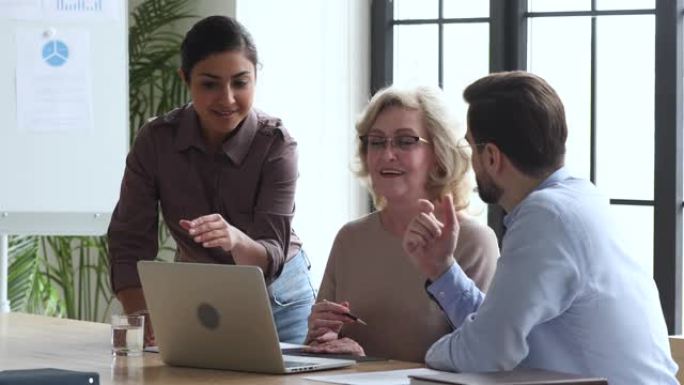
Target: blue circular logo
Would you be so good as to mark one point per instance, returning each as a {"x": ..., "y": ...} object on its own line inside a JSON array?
[{"x": 55, "y": 53}]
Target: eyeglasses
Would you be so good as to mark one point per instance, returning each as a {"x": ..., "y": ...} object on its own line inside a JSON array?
[
  {"x": 402, "y": 142},
  {"x": 464, "y": 144}
]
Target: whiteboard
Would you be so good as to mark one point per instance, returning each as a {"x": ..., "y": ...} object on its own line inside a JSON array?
[{"x": 63, "y": 180}]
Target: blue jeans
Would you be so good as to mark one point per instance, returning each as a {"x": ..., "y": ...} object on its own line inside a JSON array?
[{"x": 292, "y": 296}]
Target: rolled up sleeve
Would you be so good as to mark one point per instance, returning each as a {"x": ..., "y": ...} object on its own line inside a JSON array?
[
  {"x": 536, "y": 280},
  {"x": 275, "y": 204}
]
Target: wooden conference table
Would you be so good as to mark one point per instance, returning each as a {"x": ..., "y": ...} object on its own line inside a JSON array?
[{"x": 31, "y": 341}]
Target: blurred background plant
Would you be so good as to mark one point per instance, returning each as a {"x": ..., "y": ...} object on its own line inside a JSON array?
[{"x": 69, "y": 276}]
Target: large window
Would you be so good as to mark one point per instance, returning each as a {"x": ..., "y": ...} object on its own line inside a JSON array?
[
  {"x": 617, "y": 66},
  {"x": 444, "y": 44},
  {"x": 601, "y": 62}
]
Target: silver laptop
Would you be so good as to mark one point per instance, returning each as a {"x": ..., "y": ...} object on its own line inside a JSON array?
[{"x": 218, "y": 317}]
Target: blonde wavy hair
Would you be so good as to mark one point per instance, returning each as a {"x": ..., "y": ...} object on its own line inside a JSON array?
[{"x": 452, "y": 156}]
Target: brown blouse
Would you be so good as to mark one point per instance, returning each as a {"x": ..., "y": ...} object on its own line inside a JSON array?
[{"x": 251, "y": 183}]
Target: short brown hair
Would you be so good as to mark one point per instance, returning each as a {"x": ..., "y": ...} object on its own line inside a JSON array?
[{"x": 521, "y": 114}]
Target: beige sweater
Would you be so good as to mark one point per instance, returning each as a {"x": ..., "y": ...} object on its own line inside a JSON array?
[{"x": 368, "y": 267}]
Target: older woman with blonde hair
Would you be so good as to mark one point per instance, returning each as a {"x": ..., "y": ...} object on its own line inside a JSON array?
[{"x": 372, "y": 299}]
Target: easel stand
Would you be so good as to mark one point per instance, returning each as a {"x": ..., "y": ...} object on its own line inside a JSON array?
[{"x": 4, "y": 267}]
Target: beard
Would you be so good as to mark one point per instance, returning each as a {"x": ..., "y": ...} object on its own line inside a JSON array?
[{"x": 488, "y": 191}]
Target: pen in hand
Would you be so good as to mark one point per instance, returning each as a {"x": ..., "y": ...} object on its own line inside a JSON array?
[
  {"x": 356, "y": 318},
  {"x": 352, "y": 316}
]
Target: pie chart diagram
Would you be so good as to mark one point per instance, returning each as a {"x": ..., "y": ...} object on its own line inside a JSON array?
[{"x": 55, "y": 53}]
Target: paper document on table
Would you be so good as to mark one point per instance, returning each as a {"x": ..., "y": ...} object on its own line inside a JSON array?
[{"x": 390, "y": 377}]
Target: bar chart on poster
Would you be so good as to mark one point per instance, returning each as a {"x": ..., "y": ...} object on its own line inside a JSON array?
[
  {"x": 79, "y": 5},
  {"x": 64, "y": 132}
]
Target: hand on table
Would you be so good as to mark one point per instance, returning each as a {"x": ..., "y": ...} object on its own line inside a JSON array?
[
  {"x": 339, "y": 346},
  {"x": 133, "y": 302},
  {"x": 149, "y": 339}
]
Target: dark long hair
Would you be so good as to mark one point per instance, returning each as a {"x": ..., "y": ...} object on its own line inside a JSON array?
[{"x": 215, "y": 34}]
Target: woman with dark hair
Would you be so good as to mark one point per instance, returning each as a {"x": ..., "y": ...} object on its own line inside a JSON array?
[{"x": 224, "y": 176}]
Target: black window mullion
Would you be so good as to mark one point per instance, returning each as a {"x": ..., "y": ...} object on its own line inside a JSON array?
[
  {"x": 507, "y": 35},
  {"x": 667, "y": 242},
  {"x": 592, "y": 101},
  {"x": 593, "y": 12},
  {"x": 381, "y": 51},
  {"x": 507, "y": 52},
  {"x": 440, "y": 45},
  {"x": 632, "y": 202},
  {"x": 382, "y": 44},
  {"x": 464, "y": 20}
]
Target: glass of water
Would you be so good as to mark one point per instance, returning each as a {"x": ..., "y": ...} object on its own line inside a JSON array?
[{"x": 127, "y": 334}]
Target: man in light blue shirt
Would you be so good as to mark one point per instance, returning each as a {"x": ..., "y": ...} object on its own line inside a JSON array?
[{"x": 567, "y": 296}]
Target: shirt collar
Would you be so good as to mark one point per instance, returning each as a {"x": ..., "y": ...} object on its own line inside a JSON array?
[
  {"x": 556, "y": 177},
  {"x": 236, "y": 146},
  {"x": 188, "y": 134}
]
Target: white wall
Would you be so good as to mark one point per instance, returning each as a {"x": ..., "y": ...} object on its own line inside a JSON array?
[{"x": 315, "y": 76}]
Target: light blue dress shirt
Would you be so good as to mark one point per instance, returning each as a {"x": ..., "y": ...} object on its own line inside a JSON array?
[{"x": 566, "y": 296}]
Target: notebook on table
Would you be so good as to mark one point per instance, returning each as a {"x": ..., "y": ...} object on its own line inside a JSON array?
[
  {"x": 218, "y": 317},
  {"x": 513, "y": 377}
]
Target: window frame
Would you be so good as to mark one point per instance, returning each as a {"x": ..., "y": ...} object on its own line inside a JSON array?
[{"x": 508, "y": 51}]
